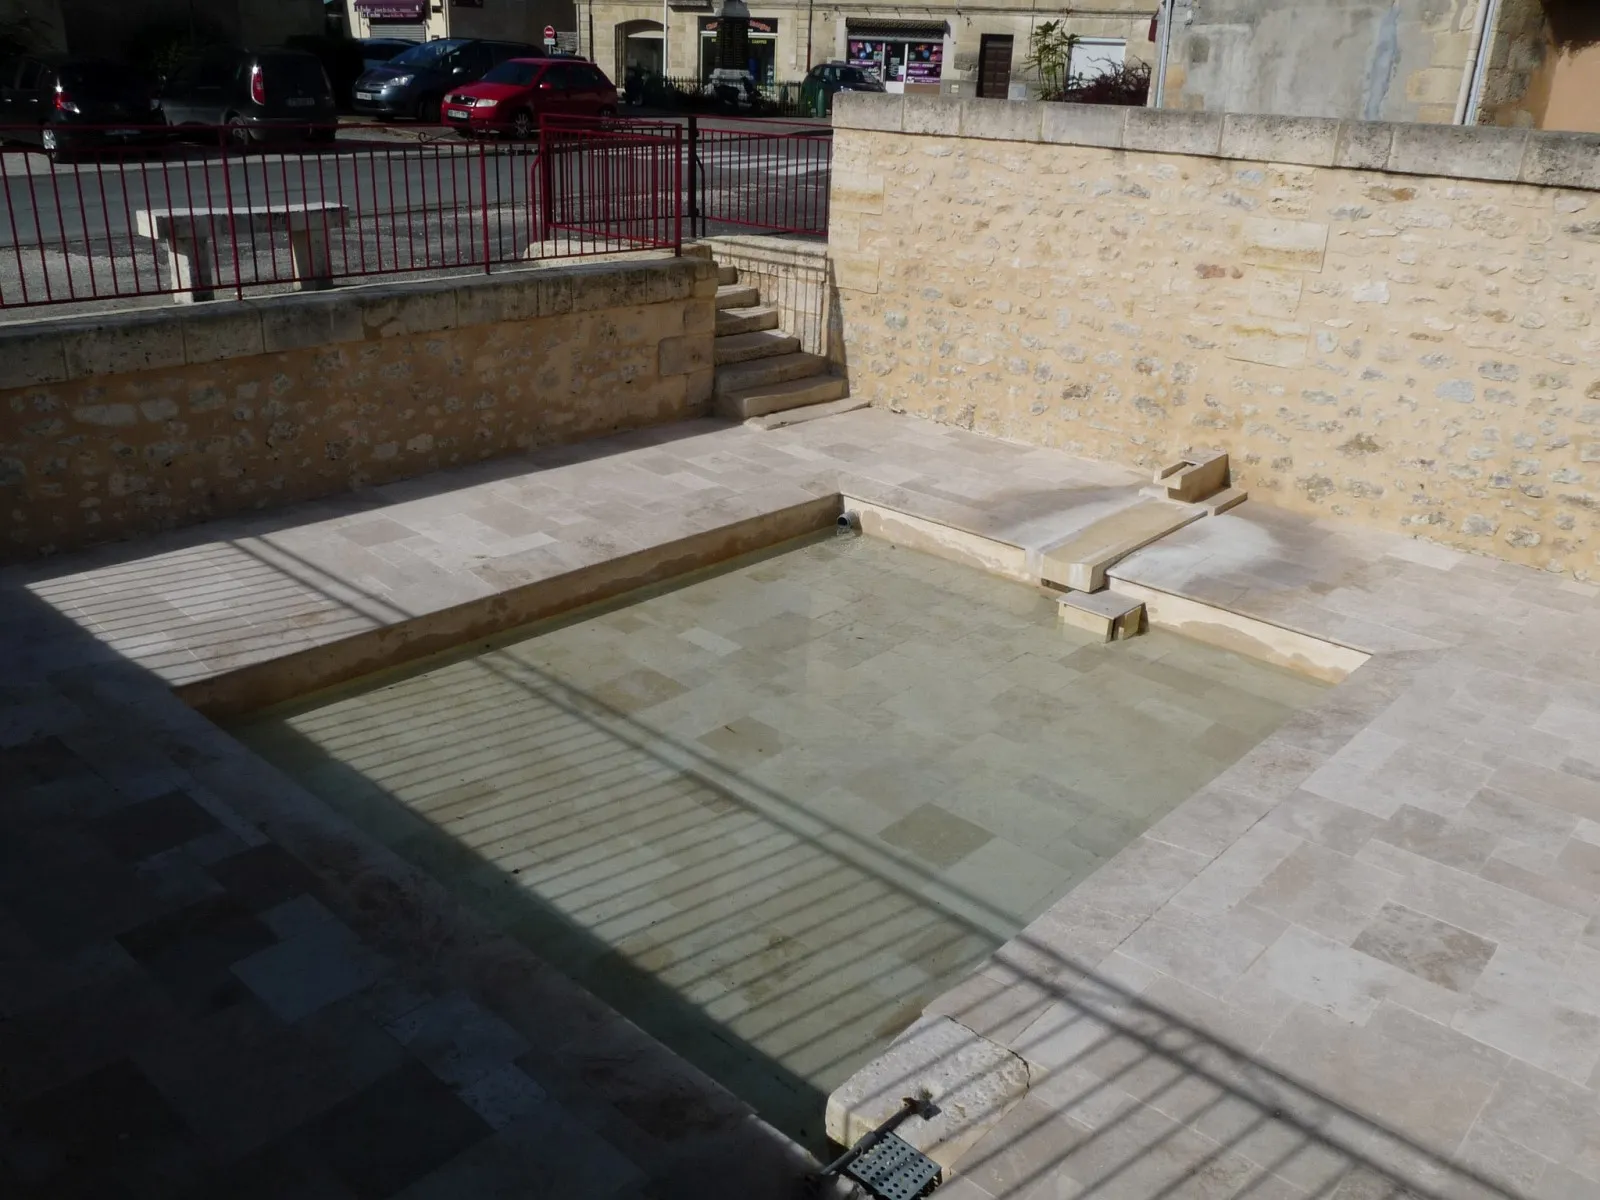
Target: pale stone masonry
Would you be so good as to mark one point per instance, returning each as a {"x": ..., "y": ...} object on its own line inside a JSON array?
[{"x": 1389, "y": 323}]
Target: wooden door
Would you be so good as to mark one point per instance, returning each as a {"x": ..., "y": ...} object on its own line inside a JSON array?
[{"x": 994, "y": 66}]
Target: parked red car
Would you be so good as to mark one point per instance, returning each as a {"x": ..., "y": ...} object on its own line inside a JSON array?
[{"x": 512, "y": 97}]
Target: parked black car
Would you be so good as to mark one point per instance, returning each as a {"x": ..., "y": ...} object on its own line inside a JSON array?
[
  {"x": 70, "y": 105},
  {"x": 259, "y": 94},
  {"x": 414, "y": 82},
  {"x": 826, "y": 80}
]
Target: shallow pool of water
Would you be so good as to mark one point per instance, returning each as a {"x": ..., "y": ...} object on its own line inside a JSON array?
[{"x": 770, "y": 812}]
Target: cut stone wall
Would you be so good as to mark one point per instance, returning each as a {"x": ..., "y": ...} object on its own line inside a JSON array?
[
  {"x": 1390, "y": 323},
  {"x": 134, "y": 422}
]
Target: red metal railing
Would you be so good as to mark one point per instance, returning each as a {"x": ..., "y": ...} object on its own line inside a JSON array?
[
  {"x": 753, "y": 176},
  {"x": 601, "y": 184},
  {"x": 142, "y": 214}
]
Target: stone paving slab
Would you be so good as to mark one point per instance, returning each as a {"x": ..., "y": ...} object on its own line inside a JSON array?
[{"x": 1363, "y": 962}]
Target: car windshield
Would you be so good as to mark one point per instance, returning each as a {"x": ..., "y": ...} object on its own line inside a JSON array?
[
  {"x": 518, "y": 73},
  {"x": 855, "y": 75},
  {"x": 429, "y": 54},
  {"x": 383, "y": 51}
]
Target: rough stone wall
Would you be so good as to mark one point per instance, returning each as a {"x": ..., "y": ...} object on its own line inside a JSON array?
[
  {"x": 145, "y": 421},
  {"x": 1372, "y": 340}
]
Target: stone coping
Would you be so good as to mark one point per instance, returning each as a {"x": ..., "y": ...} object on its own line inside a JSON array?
[
  {"x": 55, "y": 350},
  {"x": 1538, "y": 157}
]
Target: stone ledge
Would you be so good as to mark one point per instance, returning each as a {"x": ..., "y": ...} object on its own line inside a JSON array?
[
  {"x": 1484, "y": 152},
  {"x": 57, "y": 349}
]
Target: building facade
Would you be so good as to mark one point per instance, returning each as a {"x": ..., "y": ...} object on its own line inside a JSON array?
[
  {"x": 426, "y": 20},
  {"x": 979, "y": 48}
]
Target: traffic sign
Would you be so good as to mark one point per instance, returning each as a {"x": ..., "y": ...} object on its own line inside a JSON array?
[{"x": 549, "y": 35}]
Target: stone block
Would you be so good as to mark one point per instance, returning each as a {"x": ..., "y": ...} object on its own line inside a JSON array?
[
  {"x": 1001, "y": 120},
  {"x": 1288, "y": 245},
  {"x": 936, "y": 116},
  {"x": 1168, "y": 131},
  {"x": 1270, "y": 343},
  {"x": 405, "y": 309},
  {"x": 681, "y": 355},
  {"x": 1276, "y": 293},
  {"x": 1309, "y": 141},
  {"x": 1195, "y": 476},
  {"x": 856, "y": 272},
  {"x": 219, "y": 332},
  {"x": 29, "y": 357},
  {"x": 1364, "y": 145},
  {"x": 856, "y": 193},
  {"x": 1080, "y": 562},
  {"x": 698, "y": 387},
  {"x": 864, "y": 110},
  {"x": 1084, "y": 125},
  {"x": 1107, "y": 614},
  {"x": 305, "y": 322},
  {"x": 1471, "y": 152},
  {"x": 1224, "y": 500},
  {"x": 971, "y": 1080},
  {"x": 491, "y": 300},
  {"x": 1569, "y": 160},
  {"x": 121, "y": 342}
]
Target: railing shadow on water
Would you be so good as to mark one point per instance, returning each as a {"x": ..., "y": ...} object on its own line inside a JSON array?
[{"x": 1141, "y": 1101}]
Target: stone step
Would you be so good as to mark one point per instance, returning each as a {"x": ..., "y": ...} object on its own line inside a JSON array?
[
  {"x": 808, "y": 412},
  {"x": 1224, "y": 500},
  {"x": 1108, "y": 615},
  {"x": 1081, "y": 560},
  {"x": 737, "y": 295},
  {"x": 780, "y": 397},
  {"x": 745, "y": 320},
  {"x": 1194, "y": 476},
  {"x": 726, "y": 274},
  {"x": 743, "y": 347},
  {"x": 742, "y": 377}
]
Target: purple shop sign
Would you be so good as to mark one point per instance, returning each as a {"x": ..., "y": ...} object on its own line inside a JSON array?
[{"x": 393, "y": 10}]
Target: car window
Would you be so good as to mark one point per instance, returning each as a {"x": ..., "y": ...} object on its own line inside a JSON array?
[
  {"x": 217, "y": 69},
  {"x": 299, "y": 72},
  {"x": 593, "y": 77},
  {"x": 428, "y": 54},
  {"x": 473, "y": 59},
  {"x": 499, "y": 52},
  {"x": 852, "y": 75},
  {"x": 557, "y": 76},
  {"x": 102, "y": 79},
  {"x": 383, "y": 51},
  {"x": 518, "y": 74}
]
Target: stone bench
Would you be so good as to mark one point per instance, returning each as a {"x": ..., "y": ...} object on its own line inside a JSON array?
[{"x": 186, "y": 235}]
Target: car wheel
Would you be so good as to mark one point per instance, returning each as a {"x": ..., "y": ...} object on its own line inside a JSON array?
[
  {"x": 522, "y": 125},
  {"x": 323, "y": 135},
  {"x": 239, "y": 135},
  {"x": 427, "y": 110}
]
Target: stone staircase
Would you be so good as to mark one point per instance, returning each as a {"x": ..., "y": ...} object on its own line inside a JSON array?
[{"x": 761, "y": 371}]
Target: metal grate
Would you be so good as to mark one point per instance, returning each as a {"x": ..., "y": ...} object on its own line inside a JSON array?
[{"x": 894, "y": 1169}]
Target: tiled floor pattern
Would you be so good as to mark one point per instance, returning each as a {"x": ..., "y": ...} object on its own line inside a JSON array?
[
  {"x": 1234, "y": 977},
  {"x": 771, "y": 814}
]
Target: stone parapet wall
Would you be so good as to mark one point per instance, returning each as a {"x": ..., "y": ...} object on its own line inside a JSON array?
[
  {"x": 1389, "y": 323},
  {"x": 138, "y": 421}
]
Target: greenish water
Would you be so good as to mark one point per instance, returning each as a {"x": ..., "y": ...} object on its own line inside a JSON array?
[{"x": 771, "y": 813}]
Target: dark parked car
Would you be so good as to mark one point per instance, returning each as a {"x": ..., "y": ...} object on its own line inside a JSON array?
[
  {"x": 827, "y": 80},
  {"x": 413, "y": 83},
  {"x": 512, "y": 97},
  {"x": 70, "y": 105},
  {"x": 377, "y": 51},
  {"x": 259, "y": 94}
]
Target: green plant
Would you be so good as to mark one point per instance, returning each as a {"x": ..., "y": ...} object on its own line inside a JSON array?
[{"x": 1050, "y": 55}]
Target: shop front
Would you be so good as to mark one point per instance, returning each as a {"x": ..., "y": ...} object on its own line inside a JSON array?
[
  {"x": 905, "y": 57},
  {"x": 395, "y": 18}
]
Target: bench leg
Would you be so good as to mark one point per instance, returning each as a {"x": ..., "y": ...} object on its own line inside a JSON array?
[
  {"x": 312, "y": 270},
  {"x": 189, "y": 269}
]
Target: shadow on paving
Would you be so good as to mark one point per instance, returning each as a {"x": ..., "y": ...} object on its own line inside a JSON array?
[{"x": 207, "y": 995}]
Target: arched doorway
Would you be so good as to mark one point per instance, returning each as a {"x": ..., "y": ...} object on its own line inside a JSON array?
[{"x": 638, "y": 49}]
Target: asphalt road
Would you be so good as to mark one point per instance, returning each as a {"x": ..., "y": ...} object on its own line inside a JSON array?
[{"x": 417, "y": 202}]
